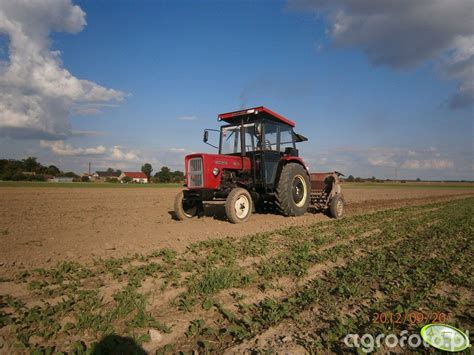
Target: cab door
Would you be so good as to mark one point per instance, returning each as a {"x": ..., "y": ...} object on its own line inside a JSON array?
[
  {"x": 270, "y": 153},
  {"x": 270, "y": 159}
]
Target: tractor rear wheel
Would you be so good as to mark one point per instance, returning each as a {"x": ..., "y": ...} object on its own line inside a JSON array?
[
  {"x": 336, "y": 206},
  {"x": 293, "y": 190},
  {"x": 238, "y": 205},
  {"x": 183, "y": 208}
]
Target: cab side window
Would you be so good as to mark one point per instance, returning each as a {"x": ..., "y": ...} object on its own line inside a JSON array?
[
  {"x": 286, "y": 138},
  {"x": 271, "y": 136}
]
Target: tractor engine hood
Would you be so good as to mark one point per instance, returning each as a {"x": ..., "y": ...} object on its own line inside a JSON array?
[{"x": 204, "y": 171}]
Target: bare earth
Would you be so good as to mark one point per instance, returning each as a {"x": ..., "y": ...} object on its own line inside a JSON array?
[{"x": 41, "y": 226}]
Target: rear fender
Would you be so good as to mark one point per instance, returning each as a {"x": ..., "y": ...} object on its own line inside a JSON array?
[
  {"x": 287, "y": 160},
  {"x": 290, "y": 159}
]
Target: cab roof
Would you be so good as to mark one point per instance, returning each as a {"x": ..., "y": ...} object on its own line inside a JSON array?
[{"x": 231, "y": 117}]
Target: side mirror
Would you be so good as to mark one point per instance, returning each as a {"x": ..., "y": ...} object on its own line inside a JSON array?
[{"x": 205, "y": 137}]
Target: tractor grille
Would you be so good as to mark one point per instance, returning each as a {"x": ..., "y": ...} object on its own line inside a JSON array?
[{"x": 195, "y": 172}]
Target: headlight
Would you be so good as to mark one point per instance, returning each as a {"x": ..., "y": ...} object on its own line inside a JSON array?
[{"x": 215, "y": 171}]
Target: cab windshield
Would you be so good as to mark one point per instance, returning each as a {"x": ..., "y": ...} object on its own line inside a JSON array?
[{"x": 230, "y": 139}]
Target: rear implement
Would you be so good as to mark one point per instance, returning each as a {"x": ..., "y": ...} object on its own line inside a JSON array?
[{"x": 326, "y": 194}]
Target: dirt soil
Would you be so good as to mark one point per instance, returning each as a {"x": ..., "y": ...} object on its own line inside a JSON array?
[{"x": 41, "y": 226}]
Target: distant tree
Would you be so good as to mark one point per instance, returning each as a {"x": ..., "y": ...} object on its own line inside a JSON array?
[
  {"x": 350, "y": 178},
  {"x": 18, "y": 176},
  {"x": 70, "y": 174},
  {"x": 37, "y": 177},
  {"x": 177, "y": 176},
  {"x": 147, "y": 169},
  {"x": 8, "y": 168},
  {"x": 164, "y": 175},
  {"x": 418, "y": 179},
  {"x": 110, "y": 170},
  {"x": 30, "y": 164},
  {"x": 11, "y": 169},
  {"x": 358, "y": 179},
  {"x": 52, "y": 170},
  {"x": 373, "y": 178},
  {"x": 127, "y": 179},
  {"x": 85, "y": 178},
  {"x": 111, "y": 179}
]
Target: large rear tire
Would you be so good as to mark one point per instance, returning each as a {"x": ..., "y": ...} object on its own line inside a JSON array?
[
  {"x": 184, "y": 209},
  {"x": 293, "y": 190},
  {"x": 238, "y": 205},
  {"x": 336, "y": 206}
]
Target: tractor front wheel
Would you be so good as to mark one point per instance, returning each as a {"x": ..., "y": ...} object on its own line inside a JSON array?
[
  {"x": 293, "y": 190},
  {"x": 238, "y": 205},
  {"x": 183, "y": 208}
]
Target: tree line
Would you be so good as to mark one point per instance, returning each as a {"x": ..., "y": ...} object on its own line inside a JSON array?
[
  {"x": 165, "y": 175},
  {"x": 29, "y": 169},
  {"x": 351, "y": 178}
]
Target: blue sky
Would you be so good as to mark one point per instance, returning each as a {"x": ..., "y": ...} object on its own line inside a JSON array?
[{"x": 174, "y": 65}]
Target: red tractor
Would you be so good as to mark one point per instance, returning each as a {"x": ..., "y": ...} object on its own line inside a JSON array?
[{"x": 258, "y": 165}]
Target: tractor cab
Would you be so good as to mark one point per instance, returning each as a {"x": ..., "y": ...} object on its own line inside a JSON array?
[
  {"x": 262, "y": 136},
  {"x": 261, "y": 130}
]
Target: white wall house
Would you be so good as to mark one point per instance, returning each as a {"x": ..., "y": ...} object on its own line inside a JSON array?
[{"x": 137, "y": 177}]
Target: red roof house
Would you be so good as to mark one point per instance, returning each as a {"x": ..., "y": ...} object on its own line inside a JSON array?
[{"x": 136, "y": 176}]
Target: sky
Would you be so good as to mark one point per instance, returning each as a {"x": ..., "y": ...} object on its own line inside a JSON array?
[{"x": 381, "y": 89}]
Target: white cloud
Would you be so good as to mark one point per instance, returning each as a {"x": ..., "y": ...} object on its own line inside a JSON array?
[
  {"x": 428, "y": 158},
  {"x": 114, "y": 154},
  {"x": 460, "y": 66},
  {"x": 118, "y": 153},
  {"x": 65, "y": 149},
  {"x": 382, "y": 161},
  {"x": 86, "y": 109},
  {"x": 36, "y": 93},
  {"x": 387, "y": 162},
  {"x": 178, "y": 150},
  {"x": 406, "y": 33},
  {"x": 186, "y": 118},
  {"x": 428, "y": 164},
  {"x": 173, "y": 158}
]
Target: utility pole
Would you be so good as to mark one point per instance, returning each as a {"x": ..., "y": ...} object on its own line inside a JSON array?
[{"x": 89, "y": 168}]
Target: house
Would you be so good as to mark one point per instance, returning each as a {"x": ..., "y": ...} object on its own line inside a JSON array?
[
  {"x": 104, "y": 175},
  {"x": 137, "y": 177}
]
